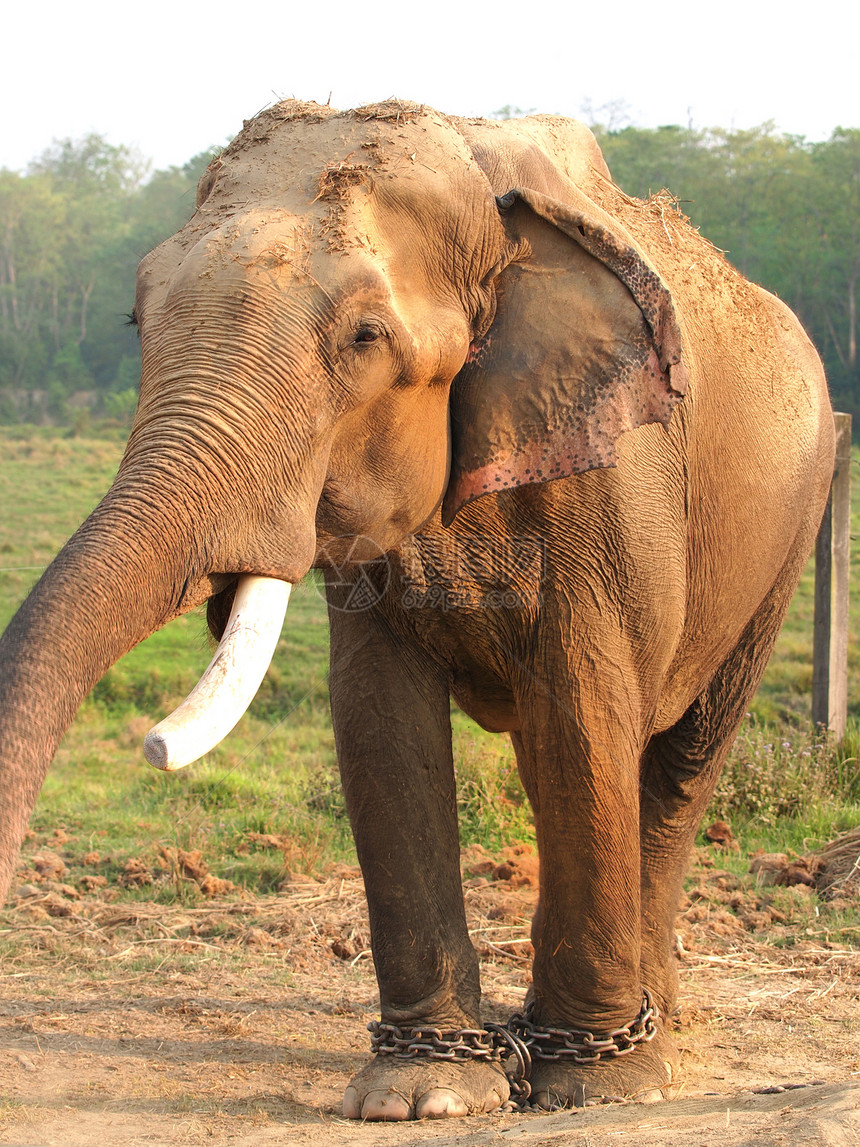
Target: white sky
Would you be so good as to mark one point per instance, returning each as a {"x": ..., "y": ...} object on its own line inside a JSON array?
[{"x": 174, "y": 77}]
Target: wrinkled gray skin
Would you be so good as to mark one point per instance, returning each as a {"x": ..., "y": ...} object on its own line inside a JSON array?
[{"x": 353, "y": 329}]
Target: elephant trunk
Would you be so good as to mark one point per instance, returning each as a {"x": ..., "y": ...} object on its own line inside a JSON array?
[
  {"x": 124, "y": 574},
  {"x": 193, "y": 506}
]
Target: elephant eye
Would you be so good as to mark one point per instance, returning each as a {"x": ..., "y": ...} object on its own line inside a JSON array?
[{"x": 366, "y": 335}]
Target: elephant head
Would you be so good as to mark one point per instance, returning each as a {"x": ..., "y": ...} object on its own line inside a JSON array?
[{"x": 370, "y": 314}]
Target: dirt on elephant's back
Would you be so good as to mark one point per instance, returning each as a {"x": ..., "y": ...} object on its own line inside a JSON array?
[
  {"x": 689, "y": 263},
  {"x": 240, "y": 1019}
]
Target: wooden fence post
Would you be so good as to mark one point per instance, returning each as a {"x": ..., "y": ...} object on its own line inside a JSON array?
[{"x": 832, "y": 561}]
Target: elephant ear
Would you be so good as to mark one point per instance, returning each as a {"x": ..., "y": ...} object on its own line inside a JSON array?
[{"x": 584, "y": 346}]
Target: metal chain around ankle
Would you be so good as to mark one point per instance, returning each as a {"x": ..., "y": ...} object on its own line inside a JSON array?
[
  {"x": 585, "y": 1046},
  {"x": 407, "y": 1043},
  {"x": 492, "y": 1044},
  {"x": 519, "y": 1040}
]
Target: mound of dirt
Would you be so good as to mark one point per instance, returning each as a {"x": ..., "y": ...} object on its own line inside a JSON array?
[{"x": 838, "y": 867}]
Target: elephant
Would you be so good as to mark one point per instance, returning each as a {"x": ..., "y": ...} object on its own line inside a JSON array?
[{"x": 558, "y": 461}]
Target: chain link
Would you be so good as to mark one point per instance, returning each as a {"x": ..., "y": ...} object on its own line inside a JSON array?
[
  {"x": 520, "y": 1039},
  {"x": 584, "y": 1046},
  {"x": 407, "y": 1043}
]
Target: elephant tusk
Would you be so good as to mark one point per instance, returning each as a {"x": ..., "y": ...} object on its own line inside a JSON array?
[{"x": 230, "y": 681}]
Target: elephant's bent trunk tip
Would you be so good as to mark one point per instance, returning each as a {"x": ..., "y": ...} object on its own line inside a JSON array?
[{"x": 231, "y": 680}]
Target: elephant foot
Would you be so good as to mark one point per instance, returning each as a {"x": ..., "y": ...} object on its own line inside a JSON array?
[
  {"x": 647, "y": 1075},
  {"x": 391, "y": 1089}
]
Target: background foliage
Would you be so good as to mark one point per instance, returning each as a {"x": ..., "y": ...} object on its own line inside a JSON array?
[{"x": 73, "y": 227}]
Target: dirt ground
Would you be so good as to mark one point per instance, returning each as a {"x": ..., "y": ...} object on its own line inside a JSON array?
[{"x": 239, "y": 1020}]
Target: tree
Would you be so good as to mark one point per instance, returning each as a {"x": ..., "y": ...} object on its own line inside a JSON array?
[
  {"x": 834, "y": 208},
  {"x": 32, "y": 269},
  {"x": 97, "y": 181}
]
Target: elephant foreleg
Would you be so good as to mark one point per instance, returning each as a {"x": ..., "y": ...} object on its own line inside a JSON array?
[{"x": 390, "y": 708}]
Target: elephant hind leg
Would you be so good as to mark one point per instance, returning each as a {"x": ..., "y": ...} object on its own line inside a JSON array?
[{"x": 680, "y": 770}]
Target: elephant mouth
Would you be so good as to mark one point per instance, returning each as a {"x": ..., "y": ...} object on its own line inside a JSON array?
[
  {"x": 244, "y": 613},
  {"x": 255, "y": 607},
  {"x": 219, "y": 607}
]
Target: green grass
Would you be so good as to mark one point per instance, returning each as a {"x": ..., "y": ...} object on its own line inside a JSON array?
[
  {"x": 788, "y": 788},
  {"x": 276, "y": 773}
]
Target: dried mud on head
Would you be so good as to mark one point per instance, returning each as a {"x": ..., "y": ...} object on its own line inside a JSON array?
[{"x": 240, "y": 1019}]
